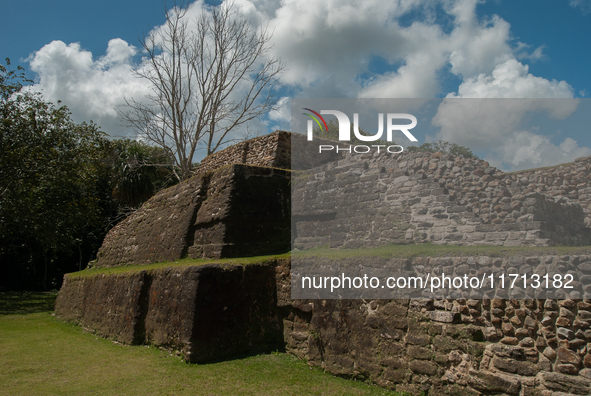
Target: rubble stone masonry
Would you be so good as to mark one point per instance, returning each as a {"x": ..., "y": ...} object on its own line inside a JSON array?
[{"x": 381, "y": 199}]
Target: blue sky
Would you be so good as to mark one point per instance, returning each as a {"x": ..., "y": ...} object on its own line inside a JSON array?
[{"x": 82, "y": 53}]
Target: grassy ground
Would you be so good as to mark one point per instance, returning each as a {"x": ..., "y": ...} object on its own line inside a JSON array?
[
  {"x": 177, "y": 263},
  {"x": 27, "y": 302},
  {"x": 390, "y": 251},
  {"x": 39, "y": 355}
]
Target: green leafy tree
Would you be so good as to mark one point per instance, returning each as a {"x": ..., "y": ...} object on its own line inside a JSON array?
[
  {"x": 62, "y": 185},
  {"x": 138, "y": 171},
  {"x": 443, "y": 147},
  {"x": 48, "y": 181}
]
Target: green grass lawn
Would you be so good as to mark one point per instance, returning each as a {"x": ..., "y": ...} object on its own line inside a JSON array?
[
  {"x": 186, "y": 262},
  {"x": 40, "y": 355},
  {"x": 389, "y": 251}
]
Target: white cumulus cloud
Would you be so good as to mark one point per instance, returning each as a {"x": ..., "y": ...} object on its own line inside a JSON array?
[
  {"x": 511, "y": 79},
  {"x": 495, "y": 123},
  {"x": 91, "y": 88}
]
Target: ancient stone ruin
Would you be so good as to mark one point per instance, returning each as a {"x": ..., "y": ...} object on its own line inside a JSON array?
[
  {"x": 239, "y": 205},
  {"x": 436, "y": 198},
  {"x": 222, "y": 213}
]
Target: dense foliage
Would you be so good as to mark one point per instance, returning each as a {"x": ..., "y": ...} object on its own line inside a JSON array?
[
  {"x": 138, "y": 171},
  {"x": 62, "y": 185}
]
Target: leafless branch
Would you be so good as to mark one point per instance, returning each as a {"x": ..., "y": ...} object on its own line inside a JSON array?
[{"x": 207, "y": 79}]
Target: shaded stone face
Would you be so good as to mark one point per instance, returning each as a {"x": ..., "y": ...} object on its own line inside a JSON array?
[
  {"x": 206, "y": 312},
  {"x": 235, "y": 211},
  {"x": 111, "y": 306},
  {"x": 246, "y": 213}
]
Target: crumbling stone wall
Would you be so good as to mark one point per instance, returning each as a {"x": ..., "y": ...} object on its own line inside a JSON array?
[
  {"x": 414, "y": 197},
  {"x": 463, "y": 345},
  {"x": 571, "y": 180},
  {"x": 379, "y": 199},
  {"x": 440, "y": 347},
  {"x": 207, "y": 312},
  {"x": 448, "y": 347},
  {"x": 272, "y": 150},
  {"x": 237, "y": 210},
  {"x": 109, "y": 305},
  {"x": 159, "y": 230}
]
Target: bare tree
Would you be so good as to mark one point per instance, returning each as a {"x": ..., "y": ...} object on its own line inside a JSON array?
[{"x": 208, "y": 77}]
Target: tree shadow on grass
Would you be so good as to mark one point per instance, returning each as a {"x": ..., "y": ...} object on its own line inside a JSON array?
[{"x": 19, "y": 303}]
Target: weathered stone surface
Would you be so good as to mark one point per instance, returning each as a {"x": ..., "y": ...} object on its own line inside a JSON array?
[
  {"x": 433, "y": 204},
  {"x": 586, "y": 372},
  {"x": 418, "y": 339},
  {"x": 235, "y": 211},
  {"x": 568, "y": 356},
  {"x": 423, "y": 367},
  {"x": 170, "y": 307},
  {"x": 158, "y": 231},
  {"x": 273, "y": 150},
  {"x": 111, "y": 306},
  {"x": 570, "y": 369},
  {"x": 246, "y": 213},
  {"x": 181, "y": 308},
  {"x": 550, "y": 353},
  {"x": 565, "y": 333},
  {"x": 444, "y": 316},
  {"x": 563, "y": 321},
  {"x": 565, "y": 383},
  {"x": 516, "y": 367},
  {"x": 243, "y": 318},
  {"x": 510, "y": 340},
  {"x": 414, "y": 352},
  {"x": 488, "y": 382},
  {"x": 344, "y": 336},
  {"x": 429, "y": 197}
]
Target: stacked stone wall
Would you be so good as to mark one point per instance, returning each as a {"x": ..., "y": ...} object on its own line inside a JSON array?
[
  {"x": 448, "y": 346},
  {"x": 494, "y": 344},
  {"x": 271, "y": 150},
  {"x": 421, "y": 197},
  {"x": 571, "y": 180},
  {"x": 207, "y": 312},
  {"x": 159, "y": 230},
  {"x": 234, "y": 211},
  {"x": 109, "y": 305},
  {"x": 435, "y": 346}
]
